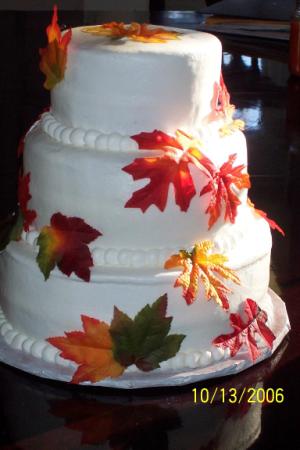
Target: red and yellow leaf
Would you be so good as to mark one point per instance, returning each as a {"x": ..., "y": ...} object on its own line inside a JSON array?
[
  {"x": 54, "y": 57},
  {"x": 222, "y": 186},
  {"x": 171, "y": 168},
  {"x": 200, "y": 265},
  {"x": 221, "y": 106},
  {"x": 134, "y": 31},
  {"x": 262, "y": 214},
  {"x": 91, "y": 349},
  {"x": 64, "y": 244},
  {"x": 223, "y": 109},
  {"x": 28, "y": 215},
  {"x": 245, "y": 331}
]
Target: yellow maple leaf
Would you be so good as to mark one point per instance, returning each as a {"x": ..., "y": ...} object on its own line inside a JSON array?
[
  {"x": 134, "y": 31},
  {"x": 200, "y": 265},
  {"x": 229, "y": 128}
]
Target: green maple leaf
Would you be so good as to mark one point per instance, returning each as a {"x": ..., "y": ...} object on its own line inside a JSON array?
[
  {"x": 11, "y": 229},
  {"x": 144, "y": 340}
]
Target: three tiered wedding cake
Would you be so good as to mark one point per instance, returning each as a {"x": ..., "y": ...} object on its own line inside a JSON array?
[{"x": 141, "y": 260}]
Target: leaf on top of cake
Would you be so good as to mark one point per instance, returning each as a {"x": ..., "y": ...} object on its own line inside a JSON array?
[
  {"x": 245, "y": 331},
  {"x": 133, "y": 31},
  {"x": 64, "y": 244},
  {"x": 171, "y": 167},
  {"x": 103, "y": 350},
  {"x": 201, "y": 266},
  {"x": 262, "y": 214},
  {"x": 223, "y": 187},
  {"x": 54, "y": 57}
]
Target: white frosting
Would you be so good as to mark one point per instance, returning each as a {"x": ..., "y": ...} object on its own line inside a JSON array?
[
  {"x": 27, "y": 300},
  {"x": 92, "y": 185},
  {"x": 127, "y": 87},
  {"x": 242, "y": 242}
]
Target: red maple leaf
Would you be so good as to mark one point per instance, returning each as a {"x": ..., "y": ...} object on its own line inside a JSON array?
[
  {"x": 64, "y": 243},
  {"x": 244, "y": 332},
  {"x": 172, "y": 167},
  {"x": 221, "y": 106},
  {"x": 223, "y": 185},
  {"x": 262, "y": 214},
  {"x": 24, "y": 196},
  {"x": 20, "y": 148}
]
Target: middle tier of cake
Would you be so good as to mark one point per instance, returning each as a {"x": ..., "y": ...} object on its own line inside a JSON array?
[{"x": 80, "y": 181}]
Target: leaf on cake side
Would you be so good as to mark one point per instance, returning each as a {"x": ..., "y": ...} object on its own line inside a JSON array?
[
  {"x": 222, "y": 109},
  {"x": 202, "y": 266},
  {"x": 144, "y": 340},
  {"x": 245, "y": 331},
  {"x": 223, "y": 187},
  {"x": 54, "y": 57},
  {"x": 262, "y": 214},
  {"x": 103, "y": 350},
  {"x": 134, "y": 31},
  {"x": 28, "y": 215},
  {"x": 171, "y": 167},
  {"x": 23, "y": 217},
  {"x": 64, "y": 244},
  {"x": 91, "y": 349}
]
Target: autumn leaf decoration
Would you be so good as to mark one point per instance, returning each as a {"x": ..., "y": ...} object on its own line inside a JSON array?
[
  {"x": 260, "y": 213},
  {"x": 245, "y": 332},
  {"x": 202, "y": 266},
  {"x": 27, "y": 215},
  {"x": 134, "y": 31},
  {"x": 54, "y": 57},
  {"x": 64, "y": 244},
  {"x": 24, "y": 216},
  {"x": 223, "y": 187},
  {"x": 103, "y": 350},
  {"x": 223, "y": 109},
  {"x": 172, "y": 167}
]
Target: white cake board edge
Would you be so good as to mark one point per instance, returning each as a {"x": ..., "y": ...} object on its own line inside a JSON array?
[{"x": 157, "y": 378}]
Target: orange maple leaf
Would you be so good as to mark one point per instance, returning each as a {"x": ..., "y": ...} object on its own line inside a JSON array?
[
  {"x": 199, "y": 265},
  {"x": 172, "y": 167},
  {"x": 134, "y": 31},
  {"x": 91, "y": 349},
  {"x": 223, "y": 186},
  {"x": 54, "y": 56},
  {"x": 262, "y": 214}
]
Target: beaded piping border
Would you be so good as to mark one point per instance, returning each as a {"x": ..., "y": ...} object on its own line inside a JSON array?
[
  {"x": 92, "y": 139},
  {"x": 41, "y": 349}
]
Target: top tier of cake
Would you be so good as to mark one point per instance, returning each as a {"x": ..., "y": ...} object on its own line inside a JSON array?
[{"x": 123, "y": 86}]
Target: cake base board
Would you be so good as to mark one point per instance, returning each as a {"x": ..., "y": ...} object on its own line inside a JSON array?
[{"x": 158, "y": 378}]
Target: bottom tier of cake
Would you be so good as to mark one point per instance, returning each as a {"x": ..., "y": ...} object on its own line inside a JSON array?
[{"x": 35, "y": 310}]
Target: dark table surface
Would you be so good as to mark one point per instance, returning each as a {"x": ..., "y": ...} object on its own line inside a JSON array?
[{"x": 42, "y": 415}]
